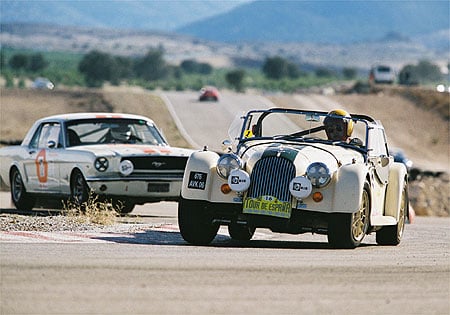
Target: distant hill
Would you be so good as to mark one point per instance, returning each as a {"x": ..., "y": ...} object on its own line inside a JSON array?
[
  {"x": 160, "y": 15},
  {"x": 334, "y": 22}
]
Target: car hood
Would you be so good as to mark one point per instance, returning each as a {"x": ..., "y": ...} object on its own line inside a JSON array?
[
  {"x": 303, "y": 155},
  {"x": 132, "y": 150}
]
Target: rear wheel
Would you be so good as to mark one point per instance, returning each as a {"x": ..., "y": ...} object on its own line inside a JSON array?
[
  {"x": 241, "y": 232},
  {"x": 392, "y": 234},
  {"x": 347, "y": 230},
  {"x": 21, "y": 198},
  {"x": 195, "y": 223}
]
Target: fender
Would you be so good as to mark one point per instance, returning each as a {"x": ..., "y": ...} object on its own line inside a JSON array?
[
  {"x": 397, "y": 180},
  {"x": 347, "y": 194},
  {"x": 198, "y": 176}
]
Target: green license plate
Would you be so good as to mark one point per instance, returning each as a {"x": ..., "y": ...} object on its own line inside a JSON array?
[{"x": 267, "y": 205}]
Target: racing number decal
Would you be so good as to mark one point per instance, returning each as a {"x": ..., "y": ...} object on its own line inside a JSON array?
[
  {"x": 41, "y": 166},
  {"x": 248, "y": 133}
]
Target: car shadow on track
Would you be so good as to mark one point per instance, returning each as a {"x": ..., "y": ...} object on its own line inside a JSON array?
[{"x": 152, "y": 237}]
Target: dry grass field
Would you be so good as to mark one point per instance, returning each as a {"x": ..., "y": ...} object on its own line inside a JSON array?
[{"x": 20, "y": 108}]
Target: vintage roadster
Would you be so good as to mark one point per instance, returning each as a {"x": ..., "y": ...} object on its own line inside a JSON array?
[
  {"x": 297, "y": 171},
  {"x": 121, "y": 157}
]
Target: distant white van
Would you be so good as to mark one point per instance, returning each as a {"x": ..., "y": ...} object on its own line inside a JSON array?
[{"x": 382, "y": 74}]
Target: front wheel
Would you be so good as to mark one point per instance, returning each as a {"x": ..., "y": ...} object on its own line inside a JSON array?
[
  {"x": 79, "y": 190},
  {"x": 347, "y": 230},
  {"x": 21, "y": 198},
  {"x": 392, "y": 234},
  {"x": 123, "y": 206},
  {"x": 195, "y": 223}
]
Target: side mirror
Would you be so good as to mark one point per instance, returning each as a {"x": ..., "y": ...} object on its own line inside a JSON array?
[
  {"x": 226, "y": 146},
  {"x": 51, "y": 144},
  {"x": 385, "y": 161}
]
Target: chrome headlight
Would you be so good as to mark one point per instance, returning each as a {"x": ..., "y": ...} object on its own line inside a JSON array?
[
  {"x": 319, "y": 174},
  {"x": 228, "y": 163},
  {"x": 101, "y": 164}
]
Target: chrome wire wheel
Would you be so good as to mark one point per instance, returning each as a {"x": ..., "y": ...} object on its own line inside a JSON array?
[{"x": 360, "y": 219}]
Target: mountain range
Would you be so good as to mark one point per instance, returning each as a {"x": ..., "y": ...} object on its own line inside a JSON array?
[{"x": 331, "y": 22}]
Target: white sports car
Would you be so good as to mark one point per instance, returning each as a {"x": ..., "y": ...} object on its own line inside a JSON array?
[
  {"x": 297, "y": 171},
  {"x": 119, "y": 156}
]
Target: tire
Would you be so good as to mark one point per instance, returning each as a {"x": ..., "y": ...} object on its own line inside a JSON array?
[
  {"x": 241, "y": 232},
  {"x": 195, "y": 223},
  {"x": 21, "y": 198},
  {"x": 392, "y": 234},
  {"x": 347, "y": 230},
  {"x": 123, "y": 206},
  {"x": 79, "y": 190}
]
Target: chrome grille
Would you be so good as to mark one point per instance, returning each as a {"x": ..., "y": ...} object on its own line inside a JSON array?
[{"x": 271, "y": 176}]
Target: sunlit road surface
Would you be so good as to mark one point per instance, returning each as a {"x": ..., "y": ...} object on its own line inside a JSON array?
[
  {"x": 154, "y": 271},
  {"x": 207, "y": 123}
]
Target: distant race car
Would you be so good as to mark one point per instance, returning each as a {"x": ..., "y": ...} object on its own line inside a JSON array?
[
  {"x": 209, "y": 93},
  {"x": 382, "y": 74},
  {"x": 43, "y": 84},
  {"x": 118, "y": 156},
  {"x": 285, "y": 171}
]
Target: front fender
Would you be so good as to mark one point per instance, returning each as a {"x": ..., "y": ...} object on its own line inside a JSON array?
[
  {"x": 198, "y": 175},
  {"x": 349, "y": 188},
  {"x": 397, "y": 181}
]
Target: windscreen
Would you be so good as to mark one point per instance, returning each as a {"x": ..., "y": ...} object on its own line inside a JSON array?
[{"x": 110, "y": 131}]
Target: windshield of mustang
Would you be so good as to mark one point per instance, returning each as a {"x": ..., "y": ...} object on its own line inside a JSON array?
[{"x": 112, "y": 130}]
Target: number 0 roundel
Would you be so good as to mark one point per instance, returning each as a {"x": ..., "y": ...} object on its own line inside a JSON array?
[{"x": 41, "y": 166}]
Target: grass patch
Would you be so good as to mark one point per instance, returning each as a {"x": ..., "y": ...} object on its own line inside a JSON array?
[{"x": 93, "y": 211}]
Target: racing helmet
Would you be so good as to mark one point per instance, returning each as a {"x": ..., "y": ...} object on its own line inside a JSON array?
[
  {"x": 121, "y": 132},
  {"x": 345, "y": 119}
]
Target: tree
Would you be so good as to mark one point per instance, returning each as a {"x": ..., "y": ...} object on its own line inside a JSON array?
[
  {"x": 278, "y": 68},
  {"x": 235, "y": 79},
  {"x": 37, "y": 63},
  {"x": 423, "y": 72},
  {"x": 121, "y": 69},
  {"x": 323, "y": 72},
  {"x": 192, "y": 66},
  {"x": 349, "y": 73},
  {"x": 96, "y": 68},
  {"x": 152, "y": 66},
  {"x": 275, "y": 68},
  {"x": 18, "y": 61}
]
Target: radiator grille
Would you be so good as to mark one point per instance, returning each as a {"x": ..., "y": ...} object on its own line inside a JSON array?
[
  {"x": 158, "y": 163},
  {"x": 271, "y": 176}
]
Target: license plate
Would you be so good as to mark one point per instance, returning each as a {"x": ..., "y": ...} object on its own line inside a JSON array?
[
  {"x": 267, "y": 205},
  {"x": 157, "y": 187}
]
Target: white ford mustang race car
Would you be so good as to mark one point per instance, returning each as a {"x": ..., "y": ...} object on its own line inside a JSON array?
[
  {"x": 119, "y": 156},
  {"x": 297, "y": 171}
]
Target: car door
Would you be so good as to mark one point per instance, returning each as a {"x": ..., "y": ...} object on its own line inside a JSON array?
[
  {"x": 379, "y": 158},
  {"x": 41, "y": 167}
]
